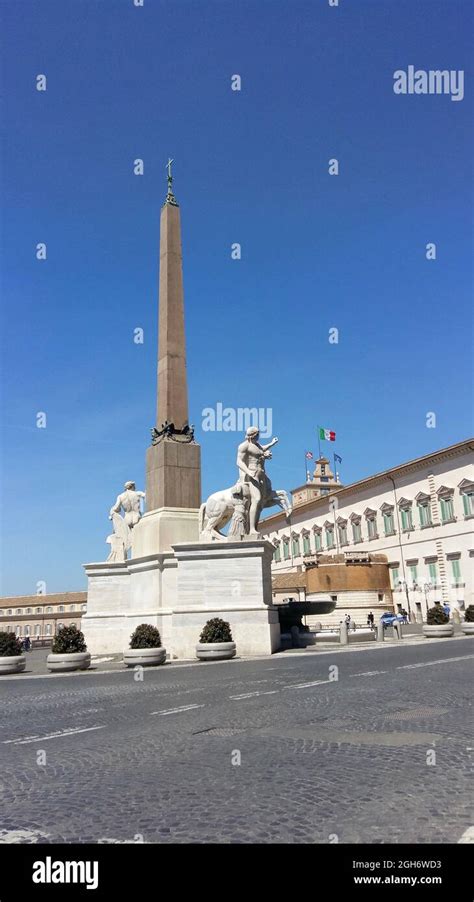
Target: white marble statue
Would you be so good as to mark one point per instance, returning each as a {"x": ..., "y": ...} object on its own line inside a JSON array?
[
  {"x": 129, "y": 502},
  {"x": 245, "y": 501}
]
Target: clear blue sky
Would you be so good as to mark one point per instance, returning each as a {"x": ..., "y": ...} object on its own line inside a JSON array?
[{"x": 345, "y": 251}]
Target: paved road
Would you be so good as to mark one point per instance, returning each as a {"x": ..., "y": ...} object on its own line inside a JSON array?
[{"x": 104, "y": 757}]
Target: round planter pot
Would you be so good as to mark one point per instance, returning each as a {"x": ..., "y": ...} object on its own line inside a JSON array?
[
  {"x": 12, "y": 664},
  {"x": 466, "y": 628},
  {"x": 146, "y": 657},
  {"x": 78, "y": 660},
  {"x": 438, "y": 631},
  {"x": 215, "y": 651}
]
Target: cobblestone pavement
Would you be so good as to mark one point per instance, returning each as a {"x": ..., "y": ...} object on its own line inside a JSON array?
[{"x": 381, "y": 754}]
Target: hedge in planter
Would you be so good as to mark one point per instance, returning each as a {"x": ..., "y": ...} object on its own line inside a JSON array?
[
  {"x": 467, "y": 627},
  {"x": 11, "y": 658},
  {"x": 69, "y": 651},
  {"x": 10, "y": 646},
  {"x": 216, "y": 630},
  {"x": 145, "y": 647},
  {"x": 436, "y": 616},
  {"x": 68, "y": 640},
  {"x": 215, "y": 641},
  {"x": 145, "y": 636}
]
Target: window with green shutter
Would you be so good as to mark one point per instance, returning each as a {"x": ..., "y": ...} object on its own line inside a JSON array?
[
  {"x": 286, "y": 551},
  {"x": 330, "y": 538},
  {"x": 406, "y": 517},
  {"x": 388, "y": 523},
  {"x": 433, "y": 572},
  {"x": 424, "y": 513},
  {"x": 395, "y": 574},
  {"x": 413, "y": 573},
  {"x": 456, "y": 569},
  {"x": 356, "y": 531},
  {"x": 276, "y": 554},
  {"x": 317, "y": 541},
  {"x": 447, "y": 509},
  {"x": 306, "y": 545},
  {"x": 468, "y": 503},
  {"x": 296, "y": 546}
]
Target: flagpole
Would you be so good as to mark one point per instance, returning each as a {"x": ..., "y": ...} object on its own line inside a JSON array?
[
  {"x": 305, "y": 468},
  {"x": 319, "y": 442}
]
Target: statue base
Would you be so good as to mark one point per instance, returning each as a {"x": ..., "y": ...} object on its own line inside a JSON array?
[
  {"x": 158, "y": 530},
  {"x": 179, "y": 591}
]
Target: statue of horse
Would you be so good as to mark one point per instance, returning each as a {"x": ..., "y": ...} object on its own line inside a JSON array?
[{"x": 216, "y": 512}]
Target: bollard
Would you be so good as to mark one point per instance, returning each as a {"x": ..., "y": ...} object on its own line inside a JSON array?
[
  {"x": 398, "y": 629},
  {"x": 380, "y": 632},
  {"x": 343, "y": 633}
]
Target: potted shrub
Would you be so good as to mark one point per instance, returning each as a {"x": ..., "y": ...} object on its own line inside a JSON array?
[
  {"x": 11, "y": 658},
  {"x": 215, "y": 642},
  {"x": 437, "y": 624},
  {"x": 145, "y": 647},
  {"x": 68, "y": 651},
  {"x": 467, "y": 626}
]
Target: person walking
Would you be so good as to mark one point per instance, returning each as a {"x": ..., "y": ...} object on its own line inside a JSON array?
[{"x": 370, "y": 620}]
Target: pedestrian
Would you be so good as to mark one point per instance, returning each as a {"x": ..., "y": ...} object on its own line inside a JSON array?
[
  {"x": 27, "y": 643},
  {"x": 348, "y": 620},
  {"x": 370, "y": 620}
]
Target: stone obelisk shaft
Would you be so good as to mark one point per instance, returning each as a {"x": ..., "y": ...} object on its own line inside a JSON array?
[
  {"x": 172, "y": 390},
  {"x": 173, "y": 464}
]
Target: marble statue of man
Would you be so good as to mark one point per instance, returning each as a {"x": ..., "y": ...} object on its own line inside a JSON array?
[
  {"x": 129, "y": 501},
  {"x": 251, "y": 457}
]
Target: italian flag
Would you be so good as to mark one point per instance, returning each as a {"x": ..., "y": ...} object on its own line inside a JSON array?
[{"x": 327, "y": 435}]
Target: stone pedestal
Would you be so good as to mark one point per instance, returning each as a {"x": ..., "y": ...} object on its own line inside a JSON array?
[
  {"x": 173, "y": 475},
  {"x": 178, "y": 591},
  {"x": 230, "y": 580},
  {"x": 159, "y": 529}
]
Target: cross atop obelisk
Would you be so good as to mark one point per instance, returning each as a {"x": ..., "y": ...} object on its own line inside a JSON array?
[{"x": 173, "y": 461}]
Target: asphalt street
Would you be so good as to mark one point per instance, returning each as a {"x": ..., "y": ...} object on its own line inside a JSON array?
[{"x": 369, "y": 746}]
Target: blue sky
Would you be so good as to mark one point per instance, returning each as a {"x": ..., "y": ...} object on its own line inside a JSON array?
[{"x": 318, "y": 251}]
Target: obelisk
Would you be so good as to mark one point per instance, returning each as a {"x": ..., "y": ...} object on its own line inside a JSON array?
[{"x": 173, "y": 461}]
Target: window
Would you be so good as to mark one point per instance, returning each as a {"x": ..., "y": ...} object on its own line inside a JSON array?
[
  {"x": 356, "y": 531},
  {"x": 413, "y": 569},
  {"x": 388, "y": 522},
  {"x": 468, "y": 504},
  {"x": 324, "y": 478},
  {"x": 27, "y": 629},
  {"x": 9, "y": 612},
  {"x": 286, "y": 549},
  {"x": 60, "y": 626},
  {"x": 19, "y": 611},
  {"x": 49, "y": 610},
  {"x": 38, "y": 610},
  {"x": 306, "y": 544},
  {"x": 447, "y": 509},
  {"x": 317, "y": 540},
  {"x": 18, "y": 631},
  {"x": 372, "y": 527},
  {"x": 276, "y": 554},
  {"x": 72, "y": 607},
  {"x": 28, "y": 611},
  {"x": 48, "y": 629},
  {"x": 342, "y": 530},
  {"x": 37, "y": 630},
  {"x": 329, "y": 536},
  {"x": 406, "y": 518},
  {"x": 295, "y": 546},
  {"x": 323, "y": 469},
  {"x": 61, "y": 609},
  {"x": 324, "y": 491},
  {"x": 424, "y": 511},
  {"x": 456, "y": 569},
  {"x": 83, "y": 607},
  {"x": 395, "y": 576},
  {"x": 433, "y": 572}
]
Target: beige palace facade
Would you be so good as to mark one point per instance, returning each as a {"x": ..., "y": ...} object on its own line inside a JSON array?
[{"x": 419, "y": 514}]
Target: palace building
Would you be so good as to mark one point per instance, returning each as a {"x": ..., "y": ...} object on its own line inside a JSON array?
[
  {"x": 40, "y": 616},
  {"x": 418, "y": 515}
]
